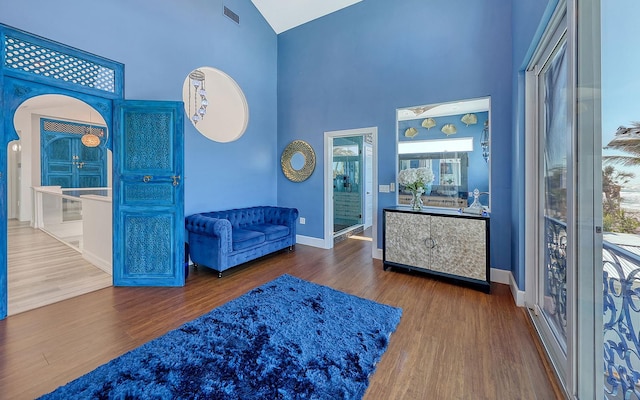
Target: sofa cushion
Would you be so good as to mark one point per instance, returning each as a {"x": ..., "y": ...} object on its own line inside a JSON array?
[
  {"x": 245, "y": 238},
  {"x": 271, "y": 231}
]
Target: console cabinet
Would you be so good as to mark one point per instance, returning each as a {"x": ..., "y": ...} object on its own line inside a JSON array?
[{"x": 442, "y": 243}]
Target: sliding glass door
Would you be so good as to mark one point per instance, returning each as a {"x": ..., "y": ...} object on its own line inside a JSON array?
[
  {"x": 554, "y": 138},
  {"x": 564, "y": 193}
]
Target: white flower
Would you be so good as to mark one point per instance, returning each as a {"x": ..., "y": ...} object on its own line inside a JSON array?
[{"x": 415, "y": 178}]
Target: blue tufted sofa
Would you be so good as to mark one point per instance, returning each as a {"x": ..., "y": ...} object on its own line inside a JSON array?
[{"x": 223, "y": 239}]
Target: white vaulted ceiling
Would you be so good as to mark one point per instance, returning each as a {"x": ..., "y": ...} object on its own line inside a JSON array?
[{"x": 286, "y": 14}]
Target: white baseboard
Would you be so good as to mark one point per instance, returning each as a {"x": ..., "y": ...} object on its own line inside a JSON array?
[
  {"x": 497, "y": 275},
  {"x": 500, "y": 276},
  {"x": 506, "y": 278},
  {"x": 378, "y": 254},
  {"x": 518, "y": 295},
  {"x": 101, "y": 263},
  {"x": 311, "y": 241}
]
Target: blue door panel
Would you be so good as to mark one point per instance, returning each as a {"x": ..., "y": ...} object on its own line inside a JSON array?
[
  {"x": 151, "y": 194},
  {"x": 147, "y": 257},
  {"x": 148, "y": 213}
]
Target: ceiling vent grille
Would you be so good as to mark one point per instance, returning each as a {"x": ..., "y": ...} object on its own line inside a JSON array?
[{"x": 232, "y": 16}]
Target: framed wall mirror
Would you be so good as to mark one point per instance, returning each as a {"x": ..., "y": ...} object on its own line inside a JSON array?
[{"x": 453, "y": 141}]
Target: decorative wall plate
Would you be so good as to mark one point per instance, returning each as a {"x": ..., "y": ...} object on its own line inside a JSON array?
[
  {"x": 429, "y": 123},
  {"x": 298, "y": 148}
]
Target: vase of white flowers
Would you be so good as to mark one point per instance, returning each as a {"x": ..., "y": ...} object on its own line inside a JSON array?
[{"x": 415, "y": 180}]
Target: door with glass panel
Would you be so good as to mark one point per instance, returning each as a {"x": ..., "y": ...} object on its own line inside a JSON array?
[{"x": 553, "y": 187}]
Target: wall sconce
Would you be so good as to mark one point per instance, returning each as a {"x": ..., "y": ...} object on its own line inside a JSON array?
[
  {"x": 197, "y": 81},
  {"x": 449, "y": 129},
  {"x": 428, "y": 123},
  {"x": 484, "y": 141},
  {"x": 469, "y": 119}
]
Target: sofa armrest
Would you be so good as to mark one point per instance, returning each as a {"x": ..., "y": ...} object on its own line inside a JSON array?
[{"x": 210, "y": 226}]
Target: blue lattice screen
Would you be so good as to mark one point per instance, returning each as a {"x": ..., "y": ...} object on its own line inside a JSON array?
[
  {"x": 38, "y": 60},
  {"x": 69, "y": 127}
]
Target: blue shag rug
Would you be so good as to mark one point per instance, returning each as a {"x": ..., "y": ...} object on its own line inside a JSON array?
[{"x": 287, "y": 339}]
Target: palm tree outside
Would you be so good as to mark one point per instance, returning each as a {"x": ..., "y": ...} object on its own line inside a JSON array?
[{"x": 616, "y": 217}]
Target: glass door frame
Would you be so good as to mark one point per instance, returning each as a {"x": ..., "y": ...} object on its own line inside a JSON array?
[
  {"x": 583, "y": 372},
  {"x": 552, "y": 41},
  {"x": 588, "y": 376}
]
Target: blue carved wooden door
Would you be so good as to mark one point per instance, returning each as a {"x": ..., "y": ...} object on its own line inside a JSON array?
[
  {"x": 148, "y": 213},
  {"x": 66, "y": 161}
]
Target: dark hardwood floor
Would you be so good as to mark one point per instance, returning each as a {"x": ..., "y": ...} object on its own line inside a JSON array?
[{"x": 451, "y": 343}]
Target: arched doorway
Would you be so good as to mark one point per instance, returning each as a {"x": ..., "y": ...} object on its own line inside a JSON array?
[
  {"x": 33, "y": 66},
  {"x": 51, "y": 154},
  {"x": 147, "y": 143}
]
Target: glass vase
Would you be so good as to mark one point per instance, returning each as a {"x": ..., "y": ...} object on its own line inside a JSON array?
[{"x": 416, "y": 199}]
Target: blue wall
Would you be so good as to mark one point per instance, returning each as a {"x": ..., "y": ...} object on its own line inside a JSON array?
[
  {"x": 529, "y": 19},
  {"x": 354, "y": 68},
  {"x": 160, "y": 42},
  {"x": 350, "y": 69}
]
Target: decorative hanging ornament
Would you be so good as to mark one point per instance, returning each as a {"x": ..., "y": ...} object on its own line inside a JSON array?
[{"x": 199, "y": 110}]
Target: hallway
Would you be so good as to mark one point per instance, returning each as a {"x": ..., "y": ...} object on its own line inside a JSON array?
[{"x": 42, "y": 270}]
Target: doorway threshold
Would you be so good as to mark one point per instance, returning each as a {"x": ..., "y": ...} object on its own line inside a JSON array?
[{"x": 347, "y": 232}]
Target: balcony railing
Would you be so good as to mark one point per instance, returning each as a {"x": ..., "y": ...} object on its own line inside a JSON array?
[
  {"x": 621, "y": 299},
  {"x": 621, "y": 283}
]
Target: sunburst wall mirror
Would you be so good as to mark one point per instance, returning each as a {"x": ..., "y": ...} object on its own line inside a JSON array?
[{"x": 298, "y": 161}]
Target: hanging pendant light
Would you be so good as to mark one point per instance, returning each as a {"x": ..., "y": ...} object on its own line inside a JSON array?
[
  {"x": 90, "y": 139},
  {"x": 197, "y": 78}
]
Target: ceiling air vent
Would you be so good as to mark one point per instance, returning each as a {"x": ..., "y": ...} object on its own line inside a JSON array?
[{"x": 233, "y": 16}]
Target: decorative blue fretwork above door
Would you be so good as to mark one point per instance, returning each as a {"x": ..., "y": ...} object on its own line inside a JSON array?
[{"x": 66, "y": 160}]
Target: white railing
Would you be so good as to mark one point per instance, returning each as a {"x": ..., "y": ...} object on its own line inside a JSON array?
[{"x": 79, "y": 218}]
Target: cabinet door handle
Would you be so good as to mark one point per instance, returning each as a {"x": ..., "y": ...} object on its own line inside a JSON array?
[{"x": 430, "y": 245}]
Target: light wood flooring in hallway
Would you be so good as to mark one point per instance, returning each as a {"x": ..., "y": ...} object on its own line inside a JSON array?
[
  {"x": 451, "y": 343},
  {"x": 42, "y": 270}
]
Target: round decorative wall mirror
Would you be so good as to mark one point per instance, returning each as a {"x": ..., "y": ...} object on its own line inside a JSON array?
[
  {"x": 215, "y": 104},
  {"x": 298, "y": 161}
]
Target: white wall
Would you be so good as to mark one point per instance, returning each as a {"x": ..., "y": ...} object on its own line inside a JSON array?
[{"x": 27, "y": 124}]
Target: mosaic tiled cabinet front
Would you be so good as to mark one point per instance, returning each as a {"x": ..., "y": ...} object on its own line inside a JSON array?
[{"x": 449, "y": 245}]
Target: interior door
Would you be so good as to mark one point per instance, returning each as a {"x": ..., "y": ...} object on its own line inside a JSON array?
[
  {"x": 68, "y": 163},
  {"x": 148, "y": 213}
]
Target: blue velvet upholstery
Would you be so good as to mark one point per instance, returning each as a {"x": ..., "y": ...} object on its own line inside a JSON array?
[{"x": 223, "y": 239}]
